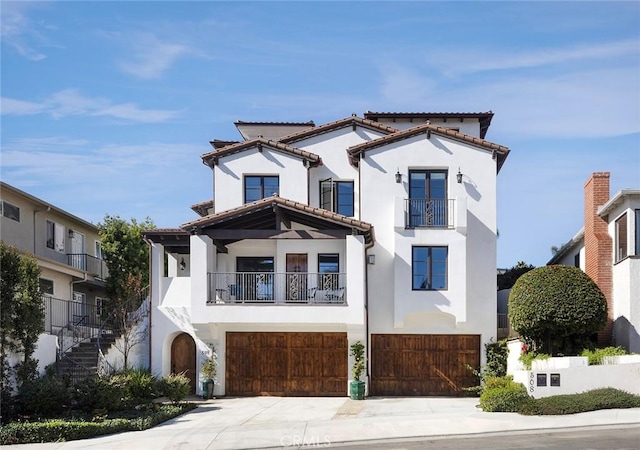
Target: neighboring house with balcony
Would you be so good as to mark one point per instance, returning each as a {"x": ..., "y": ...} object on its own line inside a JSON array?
[
  {"x": 379, "y": 229},
  {"x": 67, "y": 249},
  {"x": 607, "y": 249}
]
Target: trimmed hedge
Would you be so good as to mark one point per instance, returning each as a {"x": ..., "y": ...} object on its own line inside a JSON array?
[
  {"x": 502, "y": 394},
  {"x": 61, "y": 430},
  {"x": 557, "y": 306},
  {"x": 606, "y": 398}
]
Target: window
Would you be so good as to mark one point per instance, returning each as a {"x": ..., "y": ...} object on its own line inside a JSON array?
[
  {"x": 427, "y": 198},
  {"x": 621, "y": 238},
  {"x": 337, "y": 196},
  {"x": 257, "y": 187},
  {"x": 55, "y": 236},
  {"x": 328, "y": 270},
  {"x": 99, "y": 304},
  {"x": 576, "y": 260},
  {"x": 46, "y": 286},
  {"x": 98, "y": 249},
  {"x": 10, "y": 211},
  {"x": 637, "y": 232},
  {"x": 429, "y": 268}
]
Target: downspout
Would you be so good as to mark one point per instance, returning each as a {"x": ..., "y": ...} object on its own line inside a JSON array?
[
  {"x": 150, "y": 297},
  {"x": 366, "y": 310}
]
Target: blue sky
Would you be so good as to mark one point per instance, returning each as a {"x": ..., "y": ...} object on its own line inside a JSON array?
[{"x": 107, "y": 106}]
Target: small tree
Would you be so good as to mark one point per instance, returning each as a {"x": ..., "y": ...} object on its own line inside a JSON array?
[
  {"x": 21, "y": 314},
  {"x": 557, "y": 309},
  {"x": 507, "y": 279}
]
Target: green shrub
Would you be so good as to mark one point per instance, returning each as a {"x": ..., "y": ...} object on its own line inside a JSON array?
[
  {"x": 138, "y": 384},
  {"x": 44, "y": 397},
  {"x": 497, "y": 353},
  {"x": 175, "y": 387},
  {"x": 606, "y": 398},
  {"x": 527, "y": 358},
  {"x": 557, "y": 308},
  {"x": 68, "y": 430},
  {"x": 502, "y": 394},
  {"x": 98, "y": 393},
  {"x": 596, "y": 356}
]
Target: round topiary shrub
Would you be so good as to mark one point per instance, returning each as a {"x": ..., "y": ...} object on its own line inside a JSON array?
[
  {"x": 502, "y": 394},
  {"x": 557, "y": 308}
]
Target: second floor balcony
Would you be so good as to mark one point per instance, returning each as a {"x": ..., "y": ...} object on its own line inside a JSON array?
[
  {"x": 277, "y": 288},
  {"x": 429, "y": 213},
  {"x": 90, "y": 264}
]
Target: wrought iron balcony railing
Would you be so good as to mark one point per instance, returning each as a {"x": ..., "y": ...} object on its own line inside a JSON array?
[
  {"x": 277, "y": 288},
  {"x": 429, "y": 213}
]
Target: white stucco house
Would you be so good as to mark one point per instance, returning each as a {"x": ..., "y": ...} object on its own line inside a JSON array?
[
  {"x": 607, "y": 248},
  {"x": 380, "y": 229}
]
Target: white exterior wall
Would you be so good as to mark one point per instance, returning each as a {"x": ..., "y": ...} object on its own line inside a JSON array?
[
  {"x": 468, "y": 306},
  {"x": 466, "y": 126},
  {"x": 231, "y": 170}
]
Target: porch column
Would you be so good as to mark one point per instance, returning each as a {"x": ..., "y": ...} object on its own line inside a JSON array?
[
  {"x": 203, "y": 255},
  {"x": 157, "y": 273}
]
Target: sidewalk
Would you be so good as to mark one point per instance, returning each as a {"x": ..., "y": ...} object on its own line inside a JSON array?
[{"x": 268, "y": 422}]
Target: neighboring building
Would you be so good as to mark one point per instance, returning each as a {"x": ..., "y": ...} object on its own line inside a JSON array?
[
  {"x": 69, "y": 256},
  {"x": 608, "y": 250},
  {"x": 379, "y": 229}
]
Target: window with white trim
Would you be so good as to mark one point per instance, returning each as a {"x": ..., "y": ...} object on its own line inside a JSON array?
[
  {"x": 55, "y": 236},
  {"x": 9, "y": 210},
  {"x": 621, "y": 251}
]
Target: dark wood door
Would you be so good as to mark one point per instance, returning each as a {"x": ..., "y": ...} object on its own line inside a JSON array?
[
  {"x": 288, "y": 364},
  {"x": 414, "y": 364},
  {"x": 297, "y": 277},
  {"x": 183, "y": 358}
]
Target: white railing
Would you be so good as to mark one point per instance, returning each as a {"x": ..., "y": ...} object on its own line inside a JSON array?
[{"x": 280, "y": 288}]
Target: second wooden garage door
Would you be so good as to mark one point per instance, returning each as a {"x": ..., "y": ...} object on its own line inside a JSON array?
[
  {"x": 290, "y": 364},
  {"x": 415, "y": 364}
]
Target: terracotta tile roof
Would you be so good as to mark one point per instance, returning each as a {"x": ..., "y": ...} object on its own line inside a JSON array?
[
  {"x": 269, "y": 203},
  {"x": 483, "y": 117},
  {"x": 357, "y": 150},
  {"x": 337, "y": 124},
  {"x": 165, "y": 231},
  {"x": 202, "y": 207},
  {"x": 219, "y": 143},
  {"x": 212, "y": 157},
  {"x": 242, "y": 122}
]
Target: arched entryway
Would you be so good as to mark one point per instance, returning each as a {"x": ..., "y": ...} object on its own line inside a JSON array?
[{"x": 183, "y": 358}]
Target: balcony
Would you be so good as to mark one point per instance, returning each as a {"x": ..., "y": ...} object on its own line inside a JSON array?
[
  {"x": 61, "y": 313},
  {"x": 277, "y": 288},
  {"x": 429, "y": 213},
  {"x": 90, "y": 264}
]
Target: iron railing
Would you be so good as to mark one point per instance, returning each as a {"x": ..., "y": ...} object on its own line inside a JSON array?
[
  {"x": 429, "y": 213},
  {"x": 59, "y": 313},
  {"x": 90, "y": 264},
  {"x": 280, "y": 288}
]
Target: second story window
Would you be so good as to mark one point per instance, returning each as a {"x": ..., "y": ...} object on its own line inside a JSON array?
[
  {"x": 55, "y": 236},
  {"x": 429, "y": 268},
  {"x": 10, "y": 211},
  {"x": 257, "y": 187},
  {"x": 427, "y": 204},
  {"x": 621, "y": 238},
  {"x": 337, "y": 196}
]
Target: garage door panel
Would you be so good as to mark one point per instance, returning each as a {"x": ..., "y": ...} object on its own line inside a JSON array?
[
  {"x": 423, "y": 364},
  {"x": 286, "y": 363}
]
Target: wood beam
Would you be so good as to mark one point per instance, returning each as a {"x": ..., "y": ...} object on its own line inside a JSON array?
[{"x": 238, "y": 235}]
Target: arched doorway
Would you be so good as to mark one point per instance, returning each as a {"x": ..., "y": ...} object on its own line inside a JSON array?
[{"x": 183, "y": 358}]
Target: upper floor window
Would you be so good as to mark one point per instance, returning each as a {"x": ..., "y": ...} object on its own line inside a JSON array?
[
  {"x": 257, "y": 187},
  {"x": 427, "y": 205},
  {"x": 10, "y": 211},
  {"x": 98, "y": 249},
  {"x": 429, "y": 268},
  {"x": 46, "y": 286},
  {"x": 55, "y": 236},
  {"x": 337, "y": 196},
  {"x": 328, "y": 270},
  {"x": 621, "y": 238}
]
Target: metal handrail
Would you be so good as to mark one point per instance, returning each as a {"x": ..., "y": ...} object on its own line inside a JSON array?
[
  {"x": 429, "y": 213},
  {"x": 90, "y": 264}
]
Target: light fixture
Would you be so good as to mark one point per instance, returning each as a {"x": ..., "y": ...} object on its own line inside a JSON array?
[
  {"x": 459, "y": 176},
  {"x": 371, "y": 259},
  {"x": 398, "y": 177},
  {"x": 71, "y": 233},
  {"x": 183, "y": 265}
]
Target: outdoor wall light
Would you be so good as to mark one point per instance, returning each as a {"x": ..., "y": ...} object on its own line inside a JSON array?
[
  {"x": 71, "y": 233},
  {"x": 459, "y": 176},
  {"x": 183, "y": 265},
  {"x": 398, "y": 177}
]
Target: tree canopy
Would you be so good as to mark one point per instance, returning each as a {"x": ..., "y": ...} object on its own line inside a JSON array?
[
  {"x": 557, "y": 309},
  {"x": 507, "y": 279}
]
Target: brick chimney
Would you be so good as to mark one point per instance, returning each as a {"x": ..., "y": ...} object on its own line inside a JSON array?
[{"x": 598, "y": 245}]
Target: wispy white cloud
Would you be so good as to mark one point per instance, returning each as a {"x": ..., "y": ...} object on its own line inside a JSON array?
[
  {"x": 468, "y": 61},
  {"x": 70, "y": 102},
  {"x": 148, "y": 56},
  {"x": 19, "y": 32}
]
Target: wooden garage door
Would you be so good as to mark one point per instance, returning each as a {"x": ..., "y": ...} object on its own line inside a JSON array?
[
  {"x": 291, "y": 364},
  {"x": 414, "y": 364}
]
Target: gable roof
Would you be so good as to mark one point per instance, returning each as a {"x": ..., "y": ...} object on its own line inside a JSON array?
[
  {"x": 211, "y": 158},
  {"x": 202, "y": 208},
  {"x": 261, "y": 214},
  {"x": 483, "y": 117},
  {"x": 352, "y": 121},
  {"x": 357, "y": 150}
]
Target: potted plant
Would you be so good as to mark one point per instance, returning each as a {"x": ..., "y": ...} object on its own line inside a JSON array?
[
  {"x": 356, "y": 387},
  {"x": 208, "y": 371}
]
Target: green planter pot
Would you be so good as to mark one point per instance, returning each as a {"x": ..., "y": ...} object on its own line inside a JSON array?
[
  {"x": 207, "y": 389},
  {"x": 356, "y": 390}
]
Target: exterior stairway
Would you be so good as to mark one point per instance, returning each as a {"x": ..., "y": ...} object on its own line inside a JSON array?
[{"x": 82, "y": 361}]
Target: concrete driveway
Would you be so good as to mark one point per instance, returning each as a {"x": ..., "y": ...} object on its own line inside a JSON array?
[{"x": 268, "y": 422}]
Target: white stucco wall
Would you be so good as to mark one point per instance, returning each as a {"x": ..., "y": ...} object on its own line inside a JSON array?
[{"x": 231, "y": 170}]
